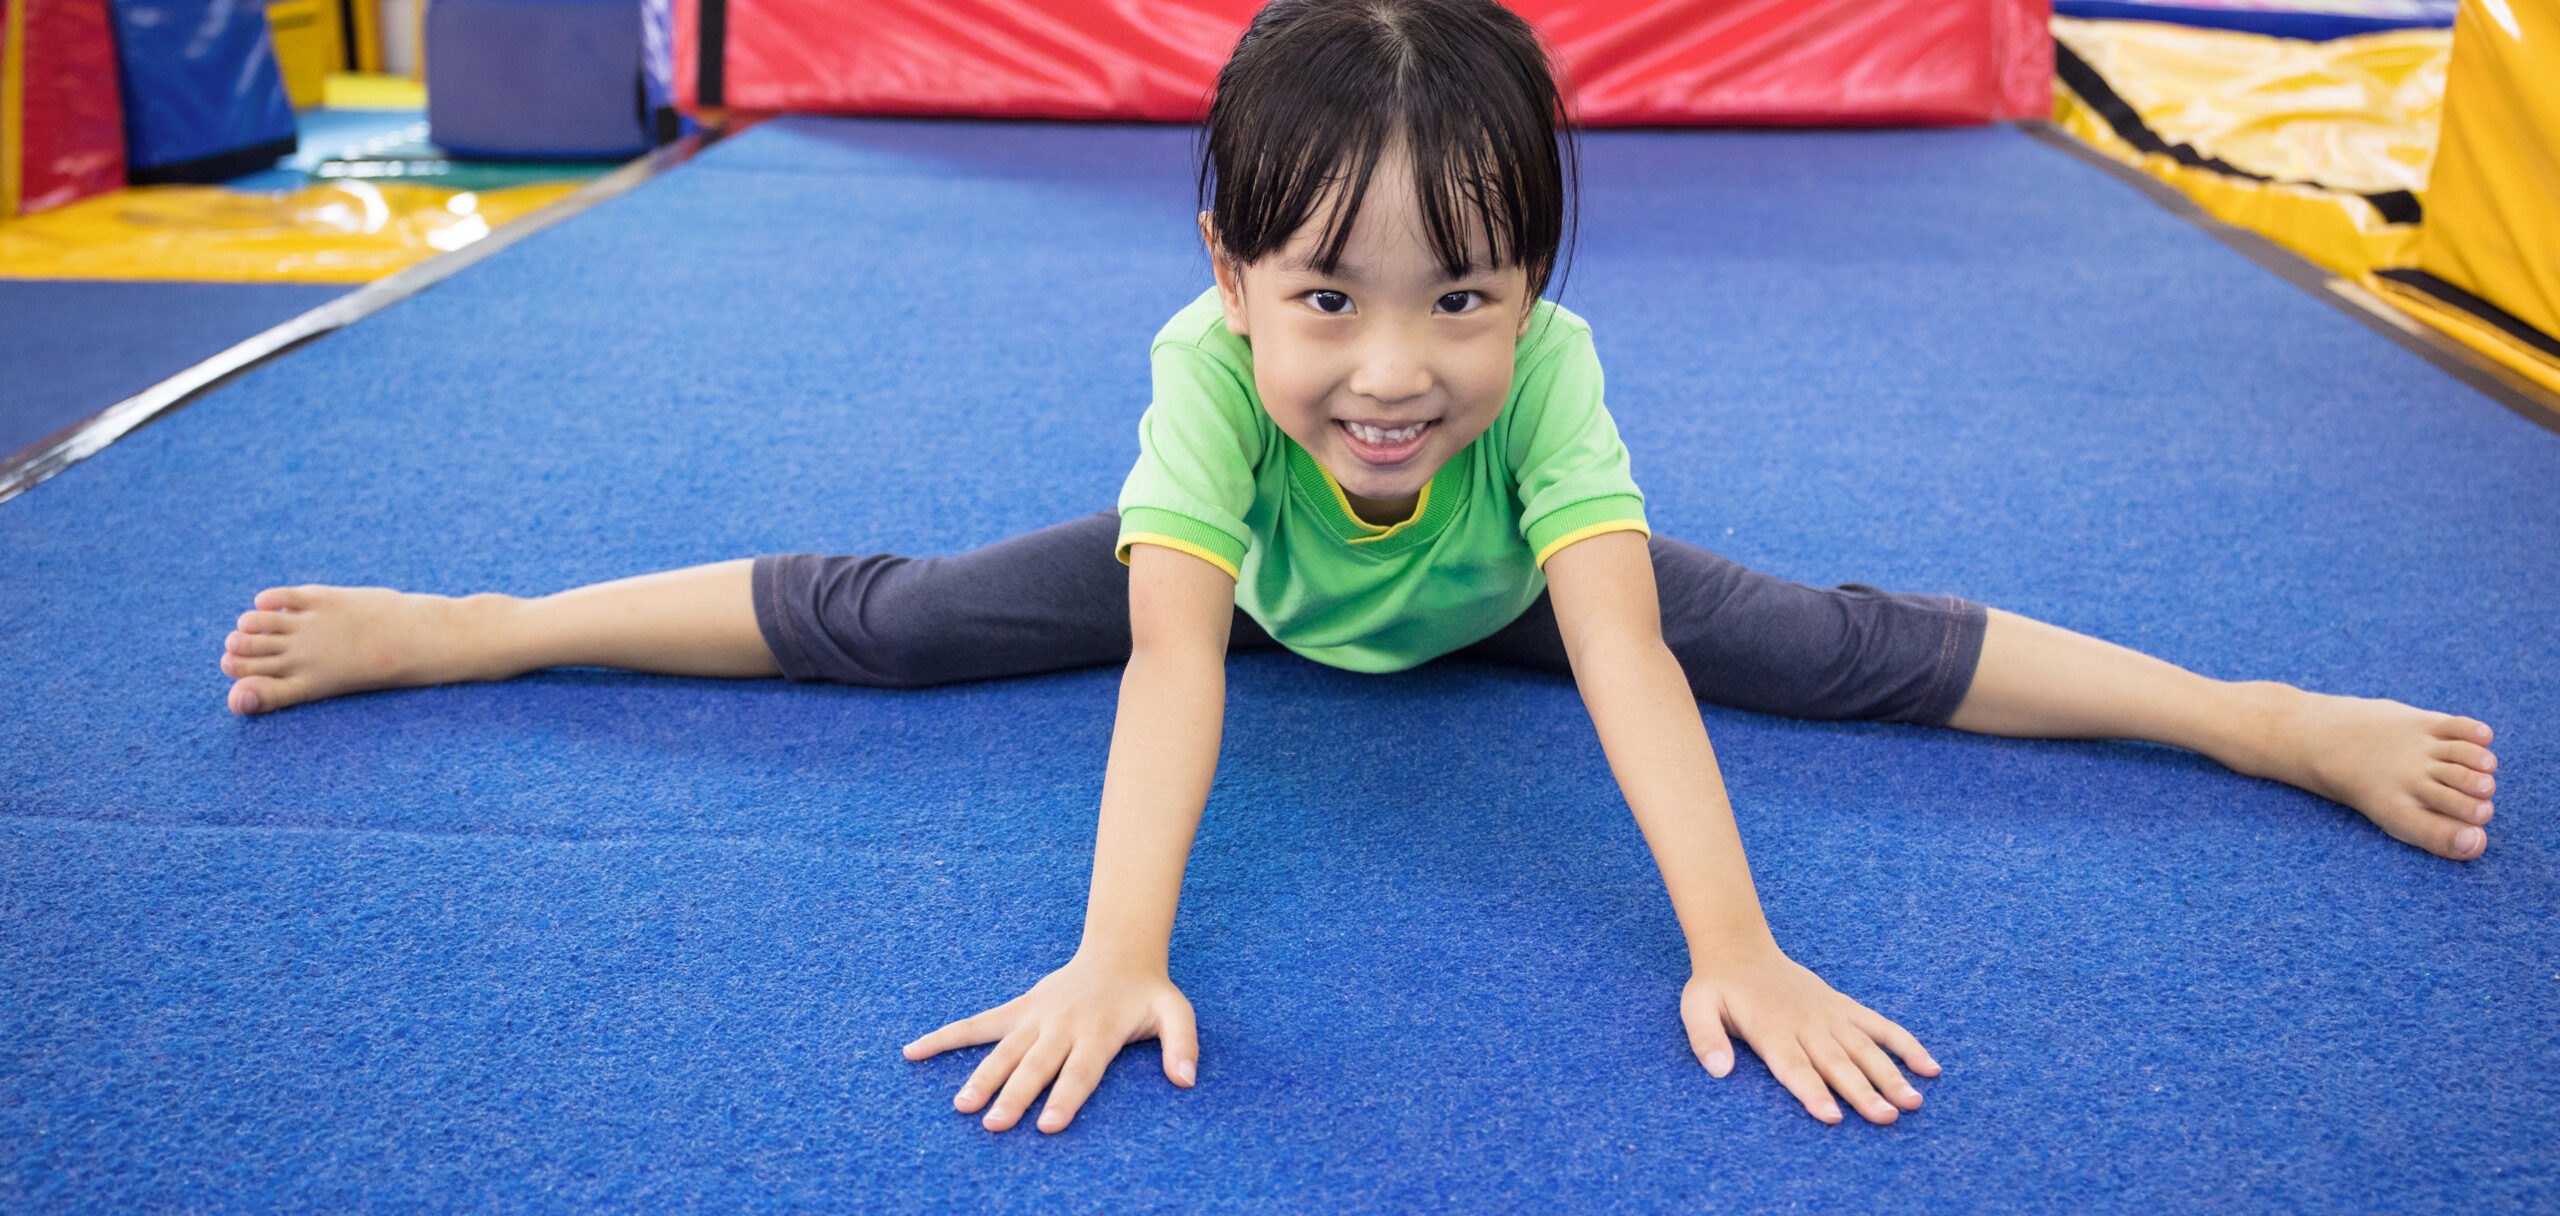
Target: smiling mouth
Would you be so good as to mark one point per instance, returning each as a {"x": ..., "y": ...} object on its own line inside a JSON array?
[{"x": 1385, "y": 445}]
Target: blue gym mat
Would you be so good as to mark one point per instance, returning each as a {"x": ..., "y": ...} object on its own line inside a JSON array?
[
  {"x": 71, "y": 349},
  {"x": 593, "y": 940}
]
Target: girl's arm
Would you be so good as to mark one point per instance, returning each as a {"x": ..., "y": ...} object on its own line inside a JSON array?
[
  {"x": 1813, "y": 1039},
  {"x": 1164, "y": 750}
]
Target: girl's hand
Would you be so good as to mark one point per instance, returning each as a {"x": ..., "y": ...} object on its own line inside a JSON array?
[
  {"x": 1813, "y": 1039},
  {"x": 1067, "y": 1028}
]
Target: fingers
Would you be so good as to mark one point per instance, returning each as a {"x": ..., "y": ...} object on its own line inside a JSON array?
[
  {"x": 991, "y": 1072},
  {"x": 1878, "y": 1068},
  {"x": 970, "y": 1031},
  {"x": 1707, "y": 1039},
  {"x": 1845, "y": 1077},
  {"x": 1178, "y": 1032},
  {"x": 1061, "y": 1037},
  {"x": 1886, "y": 1031},
  {"x": 1038, "y": 1068},
  {"x": 1793, "y": 1069},
  {"x": 1075, "y": 1084}
]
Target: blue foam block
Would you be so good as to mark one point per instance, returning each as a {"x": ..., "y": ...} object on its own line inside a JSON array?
[
  {"x": 536, "y": 79},
  {"x": 203, "y": 97}
]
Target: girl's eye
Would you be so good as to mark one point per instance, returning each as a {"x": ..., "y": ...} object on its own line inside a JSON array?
[
  {"x": 1459, "y": 301},
  {"x": 1331, "y": 303}
]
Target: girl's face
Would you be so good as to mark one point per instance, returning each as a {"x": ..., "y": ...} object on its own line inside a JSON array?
[{"x": 1386, "y": 368}]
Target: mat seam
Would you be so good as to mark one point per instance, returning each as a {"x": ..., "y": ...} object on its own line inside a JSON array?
[
  {"x": 48, "y": 457},
  {"x": 406, "y": 833}
]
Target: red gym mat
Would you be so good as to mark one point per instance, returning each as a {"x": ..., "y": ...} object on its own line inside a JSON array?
[
  {"x": 65, "y": 139},
  {"x": 1628, "y": 62}
]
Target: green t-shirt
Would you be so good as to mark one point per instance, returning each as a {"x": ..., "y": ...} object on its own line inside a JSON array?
[{"x": 1217, "y": 479}]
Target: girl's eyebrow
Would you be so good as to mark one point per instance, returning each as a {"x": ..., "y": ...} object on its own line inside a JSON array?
[
  {"x": 1343, "y": 270},
  {"x": 1348, "y": 272}
]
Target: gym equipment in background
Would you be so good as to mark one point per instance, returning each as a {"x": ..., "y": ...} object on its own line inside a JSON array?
[
  {"x": 1682, "y": 62},
  {"x": 203, "y": 98},
  {"x": 61, "y": 126},
  {"x": 537, "y": 79}
]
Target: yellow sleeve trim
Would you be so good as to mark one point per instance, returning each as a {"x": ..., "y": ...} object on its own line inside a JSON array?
[
  {"x": 1178, "y": 546},
  {"x": 1615, "y": 525}
]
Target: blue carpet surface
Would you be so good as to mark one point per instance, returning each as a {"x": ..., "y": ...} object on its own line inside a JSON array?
[
  {"x": 592, "y": 940},
  {"x": 70, "y": 349}
]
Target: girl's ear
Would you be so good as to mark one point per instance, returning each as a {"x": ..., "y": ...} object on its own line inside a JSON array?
[{"x": 1230, "y": 278}]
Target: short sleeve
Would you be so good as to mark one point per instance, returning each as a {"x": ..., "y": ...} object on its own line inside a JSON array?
[
  {"x": 1572, "y": 470},
  {"x": 1198, "y": 444}
]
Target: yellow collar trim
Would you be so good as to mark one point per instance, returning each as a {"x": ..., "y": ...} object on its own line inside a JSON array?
[{"x": 1376, "y": 532}]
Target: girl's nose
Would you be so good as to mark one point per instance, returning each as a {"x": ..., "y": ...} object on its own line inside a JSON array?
[{"x": 1390, "y": 371}]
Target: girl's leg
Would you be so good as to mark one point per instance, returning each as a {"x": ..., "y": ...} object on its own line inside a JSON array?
[
  {"x": 1048, "y": 600},
  {"x": 1045, "y": 601},
  {"x": 1751, "y": 641},
  {"x": 2420, "y": 775},
  {"x": 306, "y": 643}
]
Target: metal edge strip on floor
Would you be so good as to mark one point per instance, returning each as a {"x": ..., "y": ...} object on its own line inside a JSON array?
[
  {"x": 81, "y": 440},
  {"x": 2449, "y": 355}
]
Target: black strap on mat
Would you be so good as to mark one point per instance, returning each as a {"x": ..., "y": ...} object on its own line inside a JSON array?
[
  {"x": 710, "y": 72},
  {"x": 2462, "y": 301},
  {"x": 2396, "y": 206},
  {"x": 217, "y": 168}
]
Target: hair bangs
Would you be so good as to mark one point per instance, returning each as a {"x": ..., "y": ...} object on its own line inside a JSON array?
[{"x": 1320, "y": 93}]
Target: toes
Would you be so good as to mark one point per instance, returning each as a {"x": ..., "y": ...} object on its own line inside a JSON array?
[
  {"x": 265, "y": 622},
  {"x": 243, "y": 666},
  {"x": 2473, "y": 729},
  {"x": 258, "y": 695},
  {"x": 2468, "y": 755},
  {"x": 2451, "y": 803},
  {"x": 2465, "y": 780},
  {"x": 253, "y": 645},
  {"x": 2444, "y": 837},
  {"x": 284, "y": 599}
]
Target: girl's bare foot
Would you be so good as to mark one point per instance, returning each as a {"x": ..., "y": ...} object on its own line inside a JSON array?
[
  {"x": 305, "y": 643},
  {"x": 2424, "y": 777}
]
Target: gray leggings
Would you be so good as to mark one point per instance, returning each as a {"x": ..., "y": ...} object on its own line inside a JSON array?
[{"x": 1057, "y": 598}]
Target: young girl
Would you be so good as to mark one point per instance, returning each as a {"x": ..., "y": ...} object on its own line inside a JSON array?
[{"x": 1373, "y": 444}]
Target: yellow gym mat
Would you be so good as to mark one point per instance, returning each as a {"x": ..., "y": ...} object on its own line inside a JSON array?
[{"x": 343, "y": 231}]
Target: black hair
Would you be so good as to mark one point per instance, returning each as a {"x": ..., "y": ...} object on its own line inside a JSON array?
[{"x": 1318, "y": 90}]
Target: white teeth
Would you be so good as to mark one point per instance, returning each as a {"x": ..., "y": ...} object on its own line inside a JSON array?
[{"x": 1370, "y": 434}]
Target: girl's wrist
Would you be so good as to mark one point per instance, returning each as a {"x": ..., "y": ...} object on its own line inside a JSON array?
[
  {"x": 1137, "y": 953},
  {"x": 1706, "y": 954}
]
